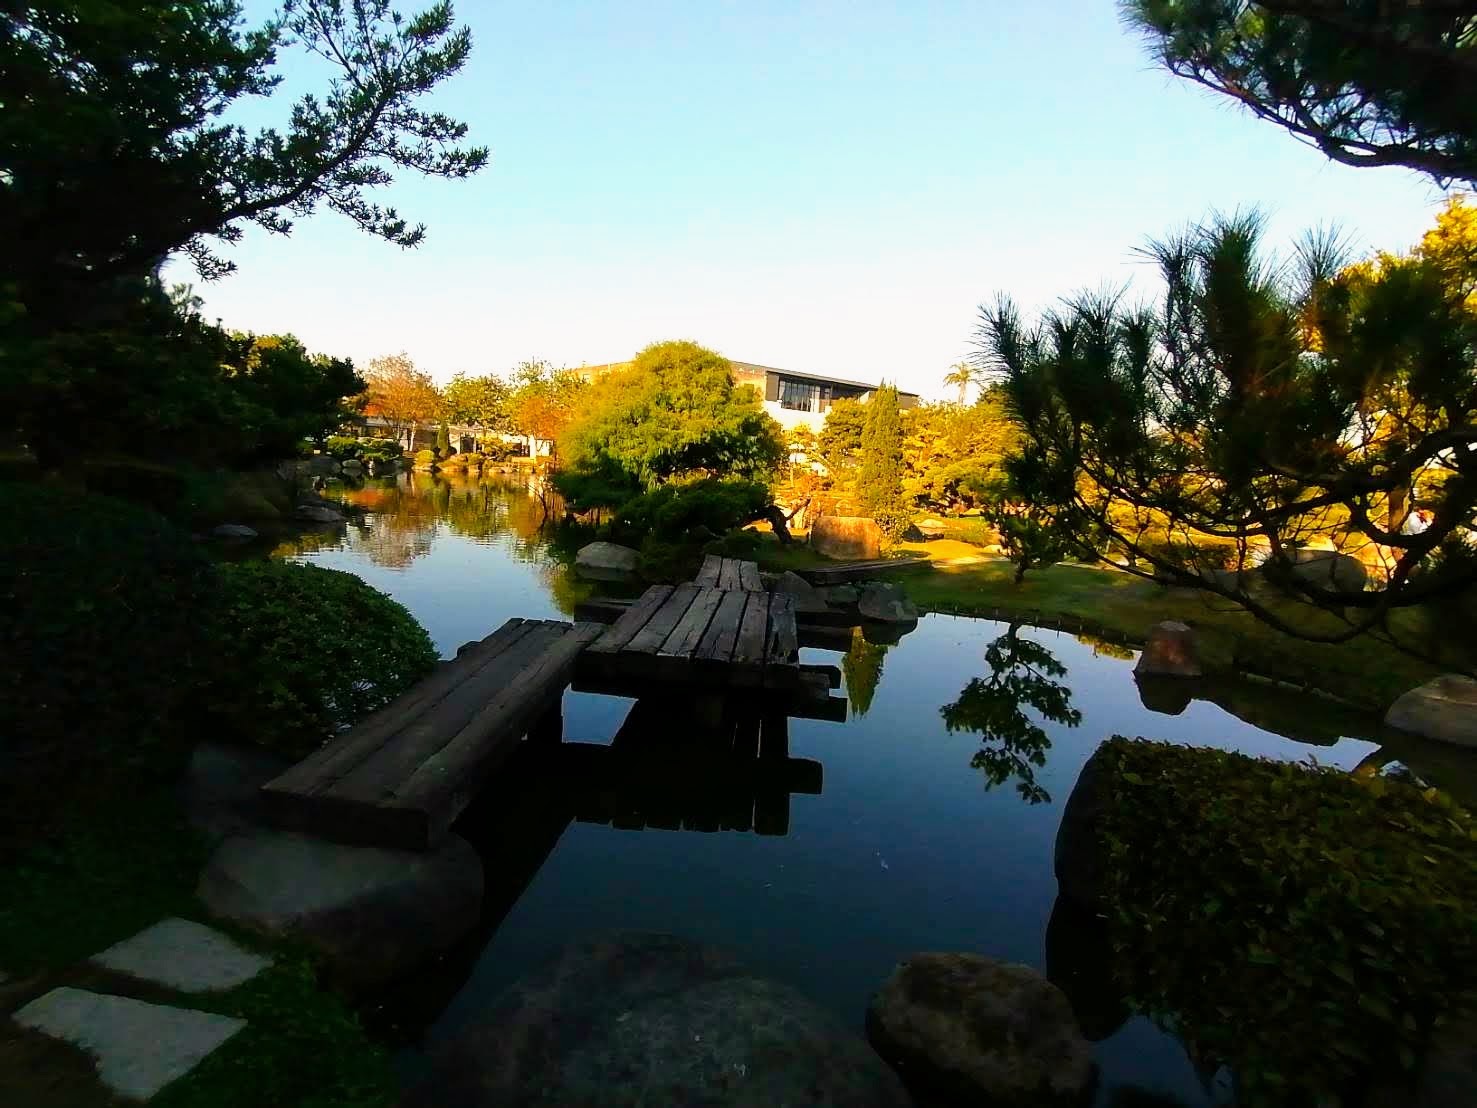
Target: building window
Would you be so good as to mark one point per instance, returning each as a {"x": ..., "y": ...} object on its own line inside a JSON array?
[{"x": 799, "y": 396}]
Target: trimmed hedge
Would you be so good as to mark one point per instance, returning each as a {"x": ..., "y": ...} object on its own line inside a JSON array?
[
  {"x": 302, "y": 653},
  {"x": 1305, "y": 926}
]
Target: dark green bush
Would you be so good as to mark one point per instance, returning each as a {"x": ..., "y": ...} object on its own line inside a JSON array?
[
  {"x": 99, "y": 606},
  {"x": 380, "y": 450},
  {"x": 699, "y": 511},
  {"x": 299, "y": 653},
  {"x": 341, "y": 447},
  {"x": 1304, "y": 926}
]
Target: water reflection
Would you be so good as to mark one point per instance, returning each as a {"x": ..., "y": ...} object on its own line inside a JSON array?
[
  {"x": 1023, "y": 674},
  {"x": 862, "y": 668}
]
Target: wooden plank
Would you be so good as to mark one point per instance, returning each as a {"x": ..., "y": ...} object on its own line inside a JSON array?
[
  {"x": 380, "y": 776},
  {"x": 624, "y": 629},
  {"x": 446, "y": 783},
  {"x": 331, "y": 762},
  {"x": 650, "y": 638},
  {"x": 811, "y": 673},
  {"x": 824, "y": 638},
  {"x": 708, "y": 575},
  {"x": 684, "y": 639},
  {"x": 748, "y": 647},
  {"x": 782, "y": 639},
  {"x": 601, "y": 609},
  {"x": 718, "y": 641},
  {"x": 749, "y": 579},
  {"x": 728, "y": 578}
]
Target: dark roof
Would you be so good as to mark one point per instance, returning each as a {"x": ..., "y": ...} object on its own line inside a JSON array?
[{"x": 811, "y": 376}]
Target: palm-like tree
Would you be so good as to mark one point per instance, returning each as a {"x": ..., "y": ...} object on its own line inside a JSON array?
[{"x": 960, "y": 374}]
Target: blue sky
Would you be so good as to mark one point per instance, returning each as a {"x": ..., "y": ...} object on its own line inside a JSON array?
[{"x": 826, "y": 187}]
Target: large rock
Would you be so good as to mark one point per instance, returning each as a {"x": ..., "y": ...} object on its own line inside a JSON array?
[
  {"x": 653, "y": 1020},
  {"x": 606, "y": 561},
  {"x": 1170, "y": 652},
  {"x": 977, "y": 1031},
  {"x": 1080, "y": 858},
  {"x": 374, "y": 914},
  {"x": 840, "y": 596},
  {"x": 1079, "y": 962},
  {"x": 1444, "y": 709},
  {"x": 318, "y": 513},
  {"x": 320, "y": 465},
  {"x": 808, "y": 598},
  {"x": 233, "y": 531},
  {"x": 846, "y": 537},
  {"x": 352, "y": 465},
  {"x": 886, "y": 603},
  {"x": 1328, "y": 569}
]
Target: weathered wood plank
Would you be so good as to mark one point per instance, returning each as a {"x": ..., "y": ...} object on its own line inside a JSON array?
[
  {"x": 781, "y": 641},
  {"x": 842, "y": 572},
  {"x": 728, "y": 575},
  {"x": 748, "y": 647},
  {"x": 323, "y": 767},
  {"x": 688, "y": 632},
  {"x": 623, "y": 630},
  {"x": 708, "y": 575},
  {"x": 601, "y": 609},
  {"x": 443, "y": 785},
  {"x": 717, "y": 642},
  {"x": 749, "y": 579},
  {"x": 650, "y": 638},
  {"x": 381, "y": 775},
  {"x": 810, "y": 673}
]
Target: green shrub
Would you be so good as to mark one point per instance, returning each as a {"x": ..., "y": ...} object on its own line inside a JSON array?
[
  {"x": 341, "y": 447},
  {"x": 380, "y": 450},
  {"x": 702, "y": 510},
  {"x": 299, "y": 653},
  {"x": 425, "y": 458},
  {"x": 736, "y": 544},
  {"x": 1304, "y": 926},
  {"x": 455, "y": 461},
  {"x": 472, "y": 460},
  {"x": 99, "y": 605}
]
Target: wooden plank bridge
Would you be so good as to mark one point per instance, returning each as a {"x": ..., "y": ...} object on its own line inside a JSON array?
[{"x": 401, "y": 777}]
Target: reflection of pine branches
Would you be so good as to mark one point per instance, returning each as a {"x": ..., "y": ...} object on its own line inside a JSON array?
[
  {"x": 1022, "y": 674},
  {"x": 862, "y": 667}
]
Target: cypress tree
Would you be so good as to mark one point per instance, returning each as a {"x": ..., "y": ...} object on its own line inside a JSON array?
[
  {"x": 880, "y": 480},
  {"x": 443, "y": 441}
]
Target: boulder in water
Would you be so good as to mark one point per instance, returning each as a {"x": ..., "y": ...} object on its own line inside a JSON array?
[{"x": 640, "y": 1019}]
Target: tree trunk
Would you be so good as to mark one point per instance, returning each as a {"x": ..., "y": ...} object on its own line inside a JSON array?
[{"x": 780, "y": 524}]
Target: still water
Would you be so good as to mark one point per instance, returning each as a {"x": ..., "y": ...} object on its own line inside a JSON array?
[{"x": 924, "y": 835}]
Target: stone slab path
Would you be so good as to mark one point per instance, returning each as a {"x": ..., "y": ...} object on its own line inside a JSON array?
[
  {"x": 139, "y": 1047},
  {"x": 185, "y": 956}
]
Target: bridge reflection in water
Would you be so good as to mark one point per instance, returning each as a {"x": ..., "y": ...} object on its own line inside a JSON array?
[{"x": 661, "y": 772}]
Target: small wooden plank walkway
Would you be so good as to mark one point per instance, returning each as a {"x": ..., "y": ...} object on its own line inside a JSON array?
[
  {"x": 400, "y": 777},
  {"x": 732, "y": 633},
  {"x": 843, "y": 573}
]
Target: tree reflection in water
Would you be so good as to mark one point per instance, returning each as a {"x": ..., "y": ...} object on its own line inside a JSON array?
[{"x": 1023, "y": 674}]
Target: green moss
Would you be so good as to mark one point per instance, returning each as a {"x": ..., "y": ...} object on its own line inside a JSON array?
[{"x": 1308, "y": 928}]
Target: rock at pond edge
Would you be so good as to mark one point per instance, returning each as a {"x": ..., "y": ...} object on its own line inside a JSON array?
[
  {"x": 981, "y": 1031},
  {"x": 642, "y": 1019},
  {"x": 1443, "y": 709},
  {"x": 1171, "y": 651},
  {"x": 374, "y": 914}
]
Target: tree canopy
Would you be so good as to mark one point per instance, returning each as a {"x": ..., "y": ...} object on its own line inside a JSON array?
[
  {"x": 400, "y": 394},
  {"x": 1257, "y": 407},
  {"x": 675, "y": 412},
  {"x": 479, "y": 401},
  {"x": 119, "y": 144},
  {"x": 1369, "y": 84}
]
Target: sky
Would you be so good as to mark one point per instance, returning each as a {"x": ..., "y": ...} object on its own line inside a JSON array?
[{"x": 827, "y": 187}]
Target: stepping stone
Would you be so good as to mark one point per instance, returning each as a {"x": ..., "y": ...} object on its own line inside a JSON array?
[
  {"x": 182, "y": 955},
  {"x": 139, "y": 1047}
]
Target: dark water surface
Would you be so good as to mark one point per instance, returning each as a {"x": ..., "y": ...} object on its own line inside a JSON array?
[{"x": 906, "y": 848}]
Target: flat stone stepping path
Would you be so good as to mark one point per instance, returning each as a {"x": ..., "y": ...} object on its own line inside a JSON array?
[
  {"x": 139, "y": 1047},
  {"x": 185, "y": 956}
]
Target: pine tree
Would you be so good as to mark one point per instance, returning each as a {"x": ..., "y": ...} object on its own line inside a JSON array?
[
  {"x": 880, "y": 480},
  {"x": 443, "y": 441}
]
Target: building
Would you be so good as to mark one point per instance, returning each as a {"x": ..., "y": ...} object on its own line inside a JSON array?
[{"x": 793, "y": 398}]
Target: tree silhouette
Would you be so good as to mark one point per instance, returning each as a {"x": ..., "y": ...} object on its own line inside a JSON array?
[{"x": 1023, "y": 674}]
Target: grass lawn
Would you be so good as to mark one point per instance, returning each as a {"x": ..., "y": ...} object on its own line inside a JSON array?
[{"x": 1364, "y": 671}]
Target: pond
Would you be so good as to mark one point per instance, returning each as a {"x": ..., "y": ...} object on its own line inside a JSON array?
[{"x": 922, "y": 835}]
